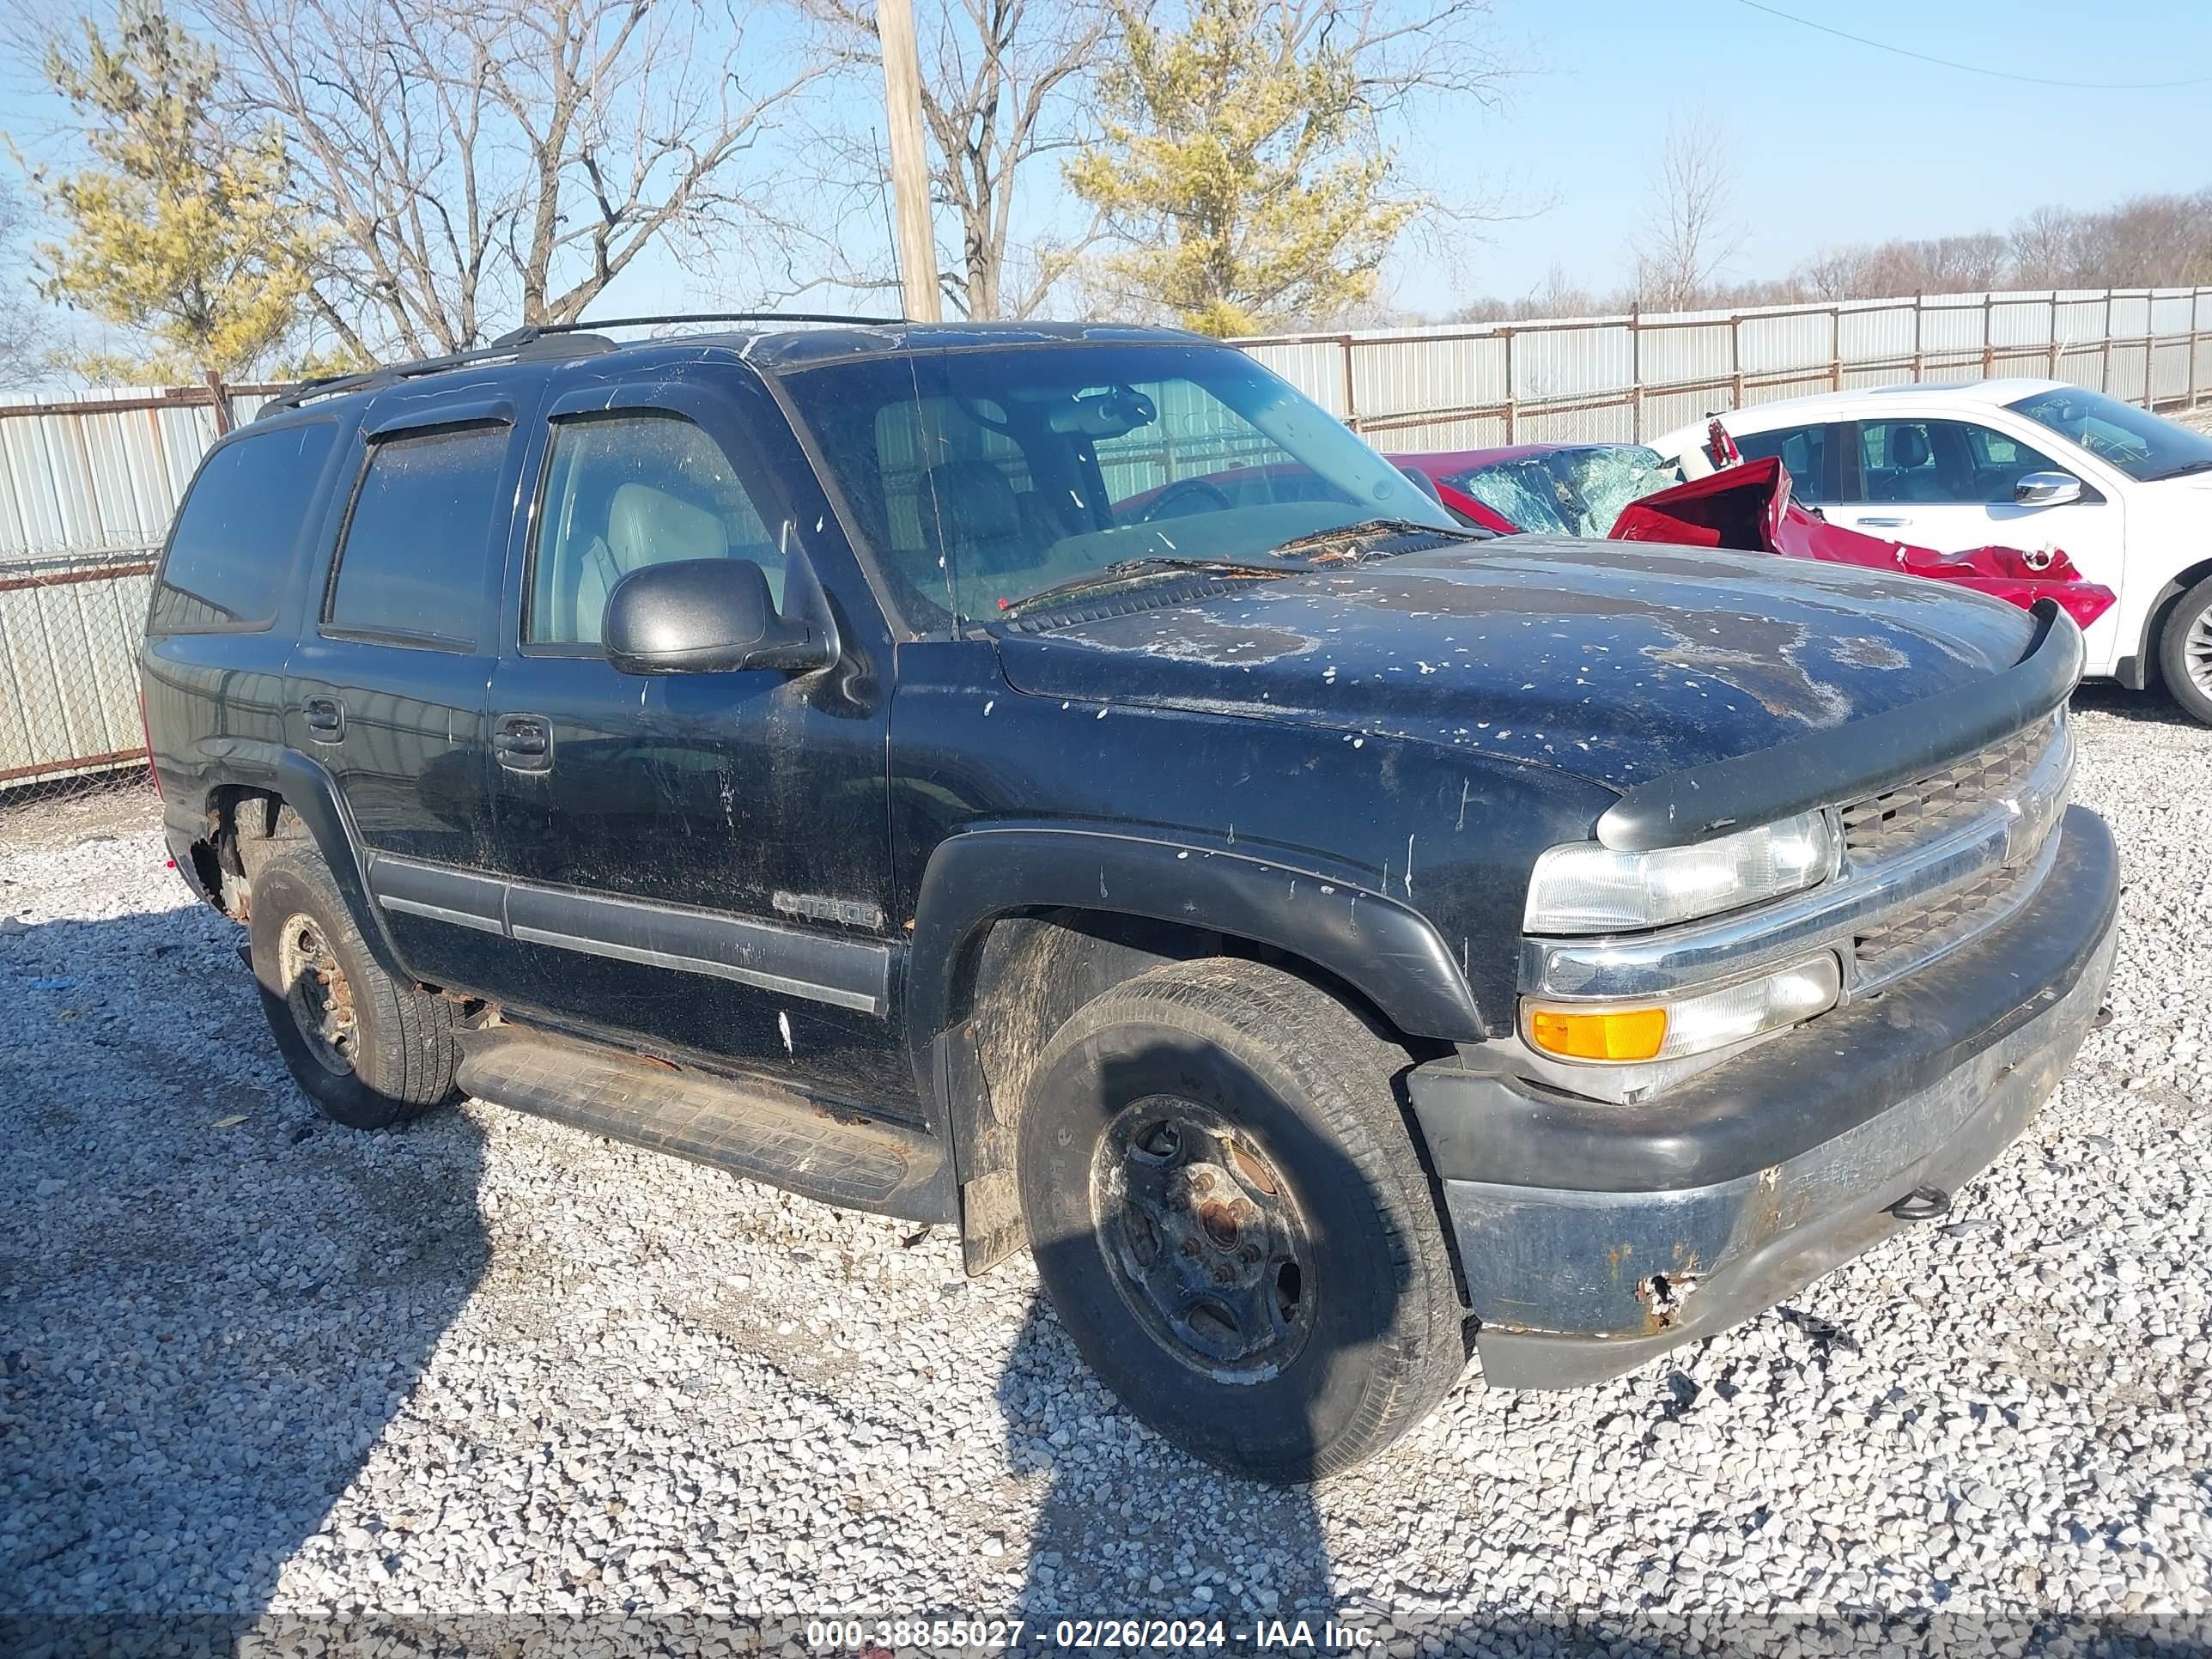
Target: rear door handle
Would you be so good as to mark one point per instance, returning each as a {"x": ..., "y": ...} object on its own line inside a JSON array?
[
  {"x": 1885, "y": 523},
  {"x": 524, "y": 743},
  {"x": 326, "y": 717}
]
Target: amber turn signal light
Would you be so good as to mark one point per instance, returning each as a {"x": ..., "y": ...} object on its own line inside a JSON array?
[{"x": 1614, "y": 1033}]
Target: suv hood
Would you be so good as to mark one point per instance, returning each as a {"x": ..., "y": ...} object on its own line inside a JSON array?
[{"x": 1617, "y": 662}]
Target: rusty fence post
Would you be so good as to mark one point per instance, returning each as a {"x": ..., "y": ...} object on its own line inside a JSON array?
[
  {"x": 1835, "y": 348},
  {"x": 219, "y": 399},
  {"x": 1736, "y": 357},
  {"x": 1988, "y": 346},
  {"x": 1351, "y": 389},
  {"x": 1919, "y": 358},
  {"x": 2104, "y": 352},
  {"x": 2196, "y": 304},
  {"x": 2054, "y": 333},
  {"x": 1636, "y": 372},
  {"x": 1511, "y": 408}
]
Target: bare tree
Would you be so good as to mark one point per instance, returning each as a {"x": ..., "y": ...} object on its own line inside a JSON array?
[
  {"x": 21, "y": 357},
  {"x": 1001, "y": 86},
  {"x": 487, "y": 159},
  {"x": 1693, "y": 231}
]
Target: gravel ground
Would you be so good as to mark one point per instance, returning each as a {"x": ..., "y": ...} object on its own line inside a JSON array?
[{"x": 260, "y": 1368}]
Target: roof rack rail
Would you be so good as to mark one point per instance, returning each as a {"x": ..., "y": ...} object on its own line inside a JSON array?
[
  {"x": 518, "y": 343},
  {"x": 533, "y": 340},
  {"x": 726, "y": 317}
]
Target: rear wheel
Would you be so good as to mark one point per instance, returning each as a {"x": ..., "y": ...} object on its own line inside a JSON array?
[
  {"x": 1229, "y": 1216},
  {"x": 2184, "y": 651},
  {"x": 368, "y": 1048}
]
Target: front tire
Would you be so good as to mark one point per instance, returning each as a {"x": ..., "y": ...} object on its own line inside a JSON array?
[
  {"x": 368, "y": 1050},
  {"x": 2184, "y": 652},
  {"x": 1230, "y": 1219}
]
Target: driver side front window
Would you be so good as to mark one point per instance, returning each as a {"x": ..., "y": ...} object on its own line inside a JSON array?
[{"x": 623, "y": 491}]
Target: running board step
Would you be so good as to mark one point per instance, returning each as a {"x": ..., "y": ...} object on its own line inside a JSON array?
[{"x": 756, "y": 1131}]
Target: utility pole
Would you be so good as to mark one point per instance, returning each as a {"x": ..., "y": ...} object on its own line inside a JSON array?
[{"x": 917, "y": 244}]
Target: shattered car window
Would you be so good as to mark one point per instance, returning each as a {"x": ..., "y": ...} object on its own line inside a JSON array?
[{"x": 1569, "y": 492}]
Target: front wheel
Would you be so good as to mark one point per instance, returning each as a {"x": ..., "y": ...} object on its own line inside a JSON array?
[
  {"x": 1228, "y": 1214},
  {"x": 2184, "y": 651}
]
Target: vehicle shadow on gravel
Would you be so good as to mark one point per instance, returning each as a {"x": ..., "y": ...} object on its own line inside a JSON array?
[
  {"x": 2155, "y": 707},
  {"x": 1131, "y": 1526},
  {"x": 212, "y": 1300}
]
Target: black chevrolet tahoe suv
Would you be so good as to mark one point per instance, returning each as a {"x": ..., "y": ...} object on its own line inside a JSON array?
[{"x": 1059, "y": 783}]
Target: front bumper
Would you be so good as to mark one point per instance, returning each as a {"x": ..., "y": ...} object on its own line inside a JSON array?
[{"x": 1595, "y": 1237}]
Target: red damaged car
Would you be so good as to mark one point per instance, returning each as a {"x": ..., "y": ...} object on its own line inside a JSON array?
[{"x": 1626, "y": 493}]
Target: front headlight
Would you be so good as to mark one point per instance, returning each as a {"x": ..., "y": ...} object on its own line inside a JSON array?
[
  {"x": 1581, "y": 887},
  {"x": 1674, "y": 1028}
]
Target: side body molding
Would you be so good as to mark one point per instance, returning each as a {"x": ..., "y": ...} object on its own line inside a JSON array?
[{"x": 1388, "y": 951}]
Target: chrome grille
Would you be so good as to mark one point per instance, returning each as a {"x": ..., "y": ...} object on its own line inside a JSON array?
[
  {"x": 1927, "y": 933},
  {"x": 1885, "y": 825}
]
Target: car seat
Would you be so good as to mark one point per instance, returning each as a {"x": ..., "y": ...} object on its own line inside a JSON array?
[
  {"x": 1908, "y": 476},
  {"x": 977, "y": 526},
  {"x": 645, "y": 526}
]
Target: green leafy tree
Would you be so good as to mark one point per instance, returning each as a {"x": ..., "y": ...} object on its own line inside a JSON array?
[
  {"x": 1240, "y": 165},
  {"x": 178, "y": 232}
]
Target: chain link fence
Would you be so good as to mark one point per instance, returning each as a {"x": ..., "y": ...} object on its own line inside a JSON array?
[{"x": 88, "y": 484}]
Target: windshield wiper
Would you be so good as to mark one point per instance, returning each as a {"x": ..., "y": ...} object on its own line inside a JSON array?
[
  {"x": 1370, "y": 529},
  {"x": 2181, "y": 471},
  {"x": 1122, "y": 570}
]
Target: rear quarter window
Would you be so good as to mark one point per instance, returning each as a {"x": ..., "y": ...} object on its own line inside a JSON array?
[{"x": 238, "y": 531}]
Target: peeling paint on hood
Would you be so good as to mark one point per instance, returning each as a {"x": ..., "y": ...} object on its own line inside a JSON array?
[{"x": 1613, "y": 661}]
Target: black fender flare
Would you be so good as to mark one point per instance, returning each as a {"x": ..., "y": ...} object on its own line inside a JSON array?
[
  {"x": 309, "y": 791},
  {"x": 1384, "y": 949}
]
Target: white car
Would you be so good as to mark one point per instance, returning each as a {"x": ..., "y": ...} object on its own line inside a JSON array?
[{"x": 2028, "y": 464}]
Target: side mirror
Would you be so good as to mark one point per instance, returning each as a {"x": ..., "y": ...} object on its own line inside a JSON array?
[
  {"x": 705, "y": 616},
  {"x": 2046, "y": 488}
]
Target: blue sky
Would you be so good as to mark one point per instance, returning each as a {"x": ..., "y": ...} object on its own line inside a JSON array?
[{"x": 1833, "y": 142}]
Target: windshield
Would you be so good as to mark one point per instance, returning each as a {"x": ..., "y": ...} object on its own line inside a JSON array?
[
  {"x": 2144, "y": 445},
  {"x": 980, "y": 477},
  {"x": 1568, "y": 492}
]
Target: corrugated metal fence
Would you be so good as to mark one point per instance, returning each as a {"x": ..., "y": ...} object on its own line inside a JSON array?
[
  {"x": 1616, "y": 380},
  {"x": 86, "y": 485}
]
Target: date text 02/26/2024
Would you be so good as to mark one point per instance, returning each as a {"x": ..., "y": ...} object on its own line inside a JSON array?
[{"x": 871, "y": 1637}]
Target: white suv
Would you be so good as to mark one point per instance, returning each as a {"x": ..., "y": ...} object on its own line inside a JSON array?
[{"x": 2025, "y": 463}]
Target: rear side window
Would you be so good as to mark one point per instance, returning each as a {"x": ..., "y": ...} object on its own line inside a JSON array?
[
  {"x": 411, "y": 569},
  {"x": 238, "y": 529},
  {"x": 1803, "y": 450}
]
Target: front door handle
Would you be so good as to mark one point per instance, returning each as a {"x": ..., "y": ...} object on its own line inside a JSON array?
[
  {"x": 326, "y": 717},
  {"x": 524, "y": 743},
  {"x": 1885, "y": 523}
]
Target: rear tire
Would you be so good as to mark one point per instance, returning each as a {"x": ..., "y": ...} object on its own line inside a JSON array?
[
  {"x": 368, "y": 1050},
  {"x": 1230, "y": 1219},
  {"x": 2184, "y": 652}
]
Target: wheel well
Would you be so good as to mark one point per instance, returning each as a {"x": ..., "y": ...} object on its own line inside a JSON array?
[
  {"x": 2150, "y": 670},
  {"x": 240, "y": 823},
  {"x": 1019, "y": 979}
]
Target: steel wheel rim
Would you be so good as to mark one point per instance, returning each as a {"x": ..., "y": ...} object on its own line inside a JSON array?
[
  {"x": 2196, "y": 652},
  {"x": 1204, "y": 1238},
  {"x": 317, "y": 995}
]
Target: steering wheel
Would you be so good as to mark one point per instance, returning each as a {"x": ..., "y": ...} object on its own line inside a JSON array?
[{"x": 1183, "y": 490}]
